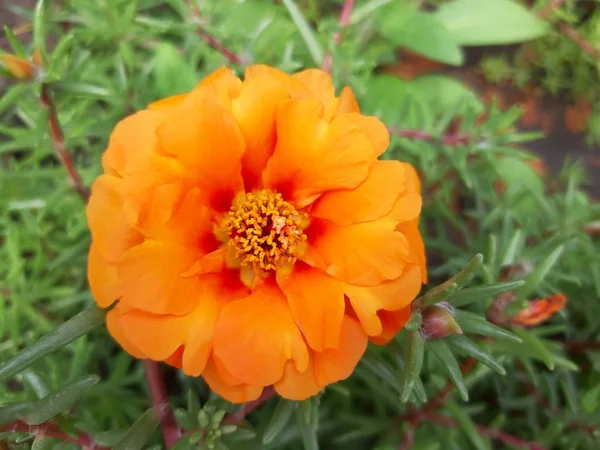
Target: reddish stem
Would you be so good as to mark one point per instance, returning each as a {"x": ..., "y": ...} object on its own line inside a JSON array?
[
  {"x": 59, "y": 142},
  {"x": 453, "y": 140},
  {"x": 238, "y": 417},
  {"x": 158, "y": 392},
  {"x": 51, "y": 430},
  {"x": 212, "y": 41},
  {"x": 581, "y": 346},
  {"x": 343, "y": 21},
  {"x": 586, "y": 46},
  {"x": 495, "y": 433},
  {"x": 550, "y": 8}
]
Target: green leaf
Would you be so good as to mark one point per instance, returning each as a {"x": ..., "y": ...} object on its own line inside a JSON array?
[
  {"x": 12, "y": 411},
  {"x": 81, "y": 324},
  {"x": 449, "y": 364},
  {"x": 62, "y": 400},
  {"x": 437, "y": 294},
  {"x": 281, "y": 416},
  {"x": 42, "y": 443},
  {"x": 415, "y": 348},
  {"x": 474, "y": 294},
  {"x": 442, "y": 93},
  {"x": 489, "y": 22},
  {"x": 383, "y": 96},
  {"x": 466, "y": 424},
  {"x": 538, "y": 274},
  {"x": 39, "y": 26},
  {"x": 140, "y": 432},
  {"x": 364, "y": 10},
  {"x": 420, "y": 32},
  {"x": 172, "y": 71},
  {"x": 15, "y": 43},
  {"x": 414, "y": 322},
  {"x": 474, "y": 323},
  {"x": 536, "y": 345},
  {"x": 308, "y": 431},
  {"x": 307, "y": 33},
  {"x": 463, "y": 277},
  {"x": 465, "y": 346}
]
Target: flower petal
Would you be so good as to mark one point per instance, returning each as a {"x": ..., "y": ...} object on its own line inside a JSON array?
[
  {"x": 255, "y": 336},
  {"x": 297, "y": 385},
  {"x": 365, "y": 254},
  {"x": 116, "y": 331},
  {"x": 317, "y": 304},
  {"x": 390, "y": 295},
  {"x": 217, "y": 290},
  {"x": 335, "y": 365},
  {"x": 234, "y": 393},
  {"x": 411, "y": 231},
  {"x": 392, "y": 322},
  {"x": 254, "y": 111},
  {"x": 371, "y": 200},
  {"x": 313, "y": 156},
  {"x": 111, "y": 233},
  {"x": 208, "y": 142},
  {"x": 374, "y": 129},
  {"x": 132, "y": 139},
  {"x": 103, "y": 279},
  {"x": 151, "y": 277},
  {"x": 347, "y": 102},
  {"x": 294, "y": 87},
  {"x": 157, "y": 336},
  {"x": 319, "y": 84}
]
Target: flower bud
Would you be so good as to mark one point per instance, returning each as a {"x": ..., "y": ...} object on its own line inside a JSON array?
[
  {"x": 18, "y": 68},
  {"x": 438, "y": 322}
]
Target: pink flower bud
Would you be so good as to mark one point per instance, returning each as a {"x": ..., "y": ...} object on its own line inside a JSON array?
[{"x": 438, "y": 322}]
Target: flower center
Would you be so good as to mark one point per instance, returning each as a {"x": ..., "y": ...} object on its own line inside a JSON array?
[{"x": 265, "y": 230}]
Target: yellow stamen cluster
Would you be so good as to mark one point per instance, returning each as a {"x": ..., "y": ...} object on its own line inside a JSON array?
[{"x": 265, "y": 230}]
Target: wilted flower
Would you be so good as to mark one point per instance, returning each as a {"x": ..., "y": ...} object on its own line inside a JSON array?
[
  {"x": 251, "y": 236},
  {"x": 19, "y": 68},
  {"x": 539, "y": 310}
]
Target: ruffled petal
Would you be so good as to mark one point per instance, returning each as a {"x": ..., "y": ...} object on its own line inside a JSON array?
[
  {"x": 335, "y": 365},
  {"x": 132, "y": 139},
  {"x": 392, "y": 322},
  {"x": 317, "y": 304},
  {"x": 320, "y": 85},
  {"x": 255, "y": 336},
  {"x": 167, "y": 103},
  {"x": 374, "y": 129},
  {"x": 103, "y": 279},
  {"x": 111, "y": 233},
  {"x": 217, "y": 290},
  {"x": 297, "y": 385},
  {"x": 417, "y": 247},
  {"x": 157, "y": 336},
  {"x": 365, "y": 254},
  {"x": 390, "y": 295},
  {"x": 371, "y": 200},
  {"x": 347, "y": 102},
  {"x": 313, "y": 156},
  {"x": 116, "y": 331},
  {"x": 234, "y": 393},
  {"x": 294, "y": 87},
  {"x": 209, "y": 144},
  {"x": 254, "y": 111},
  {"x": 151, "y": 277}
]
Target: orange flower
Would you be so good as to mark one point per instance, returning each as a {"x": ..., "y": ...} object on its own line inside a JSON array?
[
  {"x": 539, "y": 310},
  {"x": 251, "y": 236}
]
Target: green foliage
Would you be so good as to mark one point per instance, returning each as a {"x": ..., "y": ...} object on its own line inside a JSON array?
[{"x": 104, "y": 60}]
